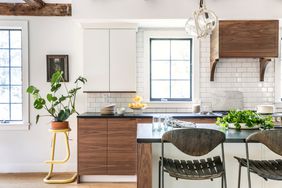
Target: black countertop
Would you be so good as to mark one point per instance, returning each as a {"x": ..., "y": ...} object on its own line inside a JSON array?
[
  {"x": 149, "y": 115},
  {"x": 146, "y": 135}
]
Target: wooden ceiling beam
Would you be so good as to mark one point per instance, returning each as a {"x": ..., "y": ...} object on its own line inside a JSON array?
[
  {"x": 35, "y": 3},
  {"x": 24, "y": 9}
]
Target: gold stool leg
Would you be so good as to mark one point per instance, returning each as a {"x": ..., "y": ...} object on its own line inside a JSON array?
[{"x": 52, "y": 162}]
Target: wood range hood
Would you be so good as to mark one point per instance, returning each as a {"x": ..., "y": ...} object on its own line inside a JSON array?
[{"x": 244, "y": 39}]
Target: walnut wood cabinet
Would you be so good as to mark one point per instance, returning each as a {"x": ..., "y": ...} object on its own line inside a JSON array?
[
  {"x": 245, "y": 39},
  {"x": 122, "y": 147},
  {"x": 92, "y": 146},
  {"x": 107, "y": 146}
]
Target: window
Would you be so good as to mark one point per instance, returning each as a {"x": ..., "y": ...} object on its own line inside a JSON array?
[
  {"x": 171, "y": 69},
  {"x": 13, "y": 73}
]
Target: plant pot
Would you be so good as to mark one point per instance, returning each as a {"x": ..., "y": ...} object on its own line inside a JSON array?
[{"x": 59, "y": 125}]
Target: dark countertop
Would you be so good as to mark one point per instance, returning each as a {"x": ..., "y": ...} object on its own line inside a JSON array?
[
  {"x": 146, "y": 135},
  {"x": 149, "y": 115}
]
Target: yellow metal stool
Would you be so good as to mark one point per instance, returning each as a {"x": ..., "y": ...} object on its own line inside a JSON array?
[{"x": 47, "y": 179}]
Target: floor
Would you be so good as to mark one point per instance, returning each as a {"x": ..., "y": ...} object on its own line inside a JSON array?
[{"x": 34, "y": 180}]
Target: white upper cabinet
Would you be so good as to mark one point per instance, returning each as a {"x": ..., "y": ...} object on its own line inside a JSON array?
[
  {"x": 122, "y": 60},
  {"x": 110, "y": 60},
  {"x": 96, "y": 49}
]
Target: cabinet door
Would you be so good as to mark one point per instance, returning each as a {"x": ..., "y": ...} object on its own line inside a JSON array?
[
  {"x": 122, "y": 147},
  {"x": 122, "y": 60},
  {"x": 92, "y": 146},
  {"x": 96, "y": 52}
]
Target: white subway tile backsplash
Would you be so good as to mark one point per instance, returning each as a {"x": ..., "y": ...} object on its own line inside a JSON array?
[{"x": 232, "y": 74}]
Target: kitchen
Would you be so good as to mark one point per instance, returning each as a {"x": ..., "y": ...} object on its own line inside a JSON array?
[{"x": 63, "y": 35}]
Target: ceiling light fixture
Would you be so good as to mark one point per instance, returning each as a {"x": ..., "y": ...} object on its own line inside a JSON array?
[{"x": 202, "y": 22}]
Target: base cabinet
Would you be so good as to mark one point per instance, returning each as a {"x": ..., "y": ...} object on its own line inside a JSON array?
[
  {"x": 122, "y": 147},
  {"x": 107, "y": 146},
  {"x": 92, "y": 146}
]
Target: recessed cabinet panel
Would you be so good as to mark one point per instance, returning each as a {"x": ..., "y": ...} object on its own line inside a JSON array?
[
  {"x": 122, "y": 60},
  {"x": 96, "y": 60}
]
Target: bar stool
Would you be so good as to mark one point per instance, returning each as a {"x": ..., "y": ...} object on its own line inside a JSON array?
[
  {"x": 193, "y": 142},
  {"x": 47, "y": 179},
  {"x": 267, "y": 169}
]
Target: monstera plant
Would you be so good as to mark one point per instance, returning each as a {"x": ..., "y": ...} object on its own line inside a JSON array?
[{"x": 59, "y": 102}]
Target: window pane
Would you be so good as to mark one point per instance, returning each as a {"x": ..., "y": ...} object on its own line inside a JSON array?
[
  {"x": 16, "y": 94},
  {"x": 16, "y": 58},
  {"x": 180, "y": 70},
  {"x": 160, "y": 49},
  {"x": 160, "y": 89},
  {"x": 16, "y": 112},
  {"x": 180, "y": 89},
  {"x": 4, "y": 94},
  {"x": 160, "y": 70},
  {"x": 4, "y": 39},
  {"x": 16, "y": 76},
  {"x": 4, "y": 112},
  {"x": 180, "y": 50},
  {"x": 15, "y": 39},
  {"x": 4, "y": 57},
  {"x": 4, "y": 76}
]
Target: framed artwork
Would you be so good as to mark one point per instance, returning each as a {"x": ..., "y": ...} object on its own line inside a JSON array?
[{"x": 55, "y": 63}]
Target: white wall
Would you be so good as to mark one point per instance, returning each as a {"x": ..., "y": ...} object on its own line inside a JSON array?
[
  {"x": 24, "y": 151},
  {"x": 174, "y": 9}
]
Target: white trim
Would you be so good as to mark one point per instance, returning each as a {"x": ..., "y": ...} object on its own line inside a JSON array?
[
  {"x": 171, "y": 33},
  {"x": 278, "y": 77},
  {"x": 102, "y": 178},
  {"x": 13, "y": 127},
  {"x": 23, "y": 25},
  {"x": 110, "y": 25}
]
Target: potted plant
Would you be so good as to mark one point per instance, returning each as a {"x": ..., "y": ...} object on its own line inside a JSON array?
[
  {"x": 58, "y": 104},
  {"x": 246, "y": 119}
]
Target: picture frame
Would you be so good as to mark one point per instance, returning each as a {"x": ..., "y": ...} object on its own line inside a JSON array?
[{"x": 55, "y": 63}]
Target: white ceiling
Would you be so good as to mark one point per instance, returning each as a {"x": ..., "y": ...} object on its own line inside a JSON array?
[{"x": 47, "y": 1}]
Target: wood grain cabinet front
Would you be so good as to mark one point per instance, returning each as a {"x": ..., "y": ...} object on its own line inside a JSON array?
[
  {"x": 122, "y": 147},
  {"x": 92, "y": 146},
  {"x": 107, "y": 146}
]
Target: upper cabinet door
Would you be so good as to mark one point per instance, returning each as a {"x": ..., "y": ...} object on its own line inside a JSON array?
[
  {"x": 122, "y": 60},
  {"x": 96, "y": 49}
]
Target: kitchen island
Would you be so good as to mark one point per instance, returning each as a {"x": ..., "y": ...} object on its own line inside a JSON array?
[
  {"x": 107, "y": 148},
  {"x": 149, "y": 149}
]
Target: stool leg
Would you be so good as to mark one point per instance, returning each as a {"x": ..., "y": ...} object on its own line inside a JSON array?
[{"x": 52, "y": 156}]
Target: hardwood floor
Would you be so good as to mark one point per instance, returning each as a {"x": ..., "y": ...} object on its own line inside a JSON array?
[{"x": 35, "y": 180}]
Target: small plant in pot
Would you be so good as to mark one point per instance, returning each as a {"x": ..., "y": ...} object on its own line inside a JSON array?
[{"x": 59, "y": 105}]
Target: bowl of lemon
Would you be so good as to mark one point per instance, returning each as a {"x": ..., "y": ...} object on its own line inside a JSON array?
[{"x": 137, "y": 106}]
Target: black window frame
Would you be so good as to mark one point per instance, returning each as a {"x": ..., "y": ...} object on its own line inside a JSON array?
[{"x": 170, "y": 80}]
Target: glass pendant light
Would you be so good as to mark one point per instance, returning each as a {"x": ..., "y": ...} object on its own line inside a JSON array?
[{"x": 202, "y": 22}]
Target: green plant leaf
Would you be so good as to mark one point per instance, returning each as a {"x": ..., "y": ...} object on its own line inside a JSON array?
[
  {"x": 39, "y": 103},
  {"x": 49, "y": 97},
  {"x": 62, "y": 98},
  {"x": 56, "y": 87},
  {"x": 56, "y": 77},
  {"x": 37, "y": 118},
  {"x": 32, "y": 90},
  {"x": 81, "y": 79}
]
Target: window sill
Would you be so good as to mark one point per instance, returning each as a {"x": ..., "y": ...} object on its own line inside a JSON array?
[
  {"x": 14, "y": 127},
  {"x": 170, "y": 104}
]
